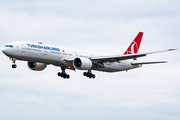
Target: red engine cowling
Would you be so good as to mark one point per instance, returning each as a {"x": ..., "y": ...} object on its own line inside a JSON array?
[
  {"x": 82, "y": 63},
  {"x": 36, "y": 66}
]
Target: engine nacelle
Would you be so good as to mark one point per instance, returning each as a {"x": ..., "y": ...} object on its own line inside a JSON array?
[
  {"x": 36, "y": 66},
  {"x": 82, "y": 63}
]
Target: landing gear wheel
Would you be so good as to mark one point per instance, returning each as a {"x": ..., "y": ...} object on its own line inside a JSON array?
[
  {"x": 59, "y": 74},
  {"x": 93, "y": 76},
  {"x": 89, "y": 74},
  {"x": 85, "y": 74},
  {"x": 67, "y": 76},
  {"x": 14, "y": 66},
  {"x": 63, "y": 74}
]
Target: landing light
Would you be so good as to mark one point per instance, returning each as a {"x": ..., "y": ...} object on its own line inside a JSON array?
[
  {"x": 11, "y": 58},
  {"x": 69, "y": 67}
]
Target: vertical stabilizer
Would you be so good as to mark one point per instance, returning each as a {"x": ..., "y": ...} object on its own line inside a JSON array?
[{"x": 134, "y": 47}]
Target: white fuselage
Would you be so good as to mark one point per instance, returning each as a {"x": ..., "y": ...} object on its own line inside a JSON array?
[{"x": 55, "y": 55}]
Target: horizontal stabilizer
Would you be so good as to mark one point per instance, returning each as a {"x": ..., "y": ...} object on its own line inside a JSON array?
[{"x": 141, "y": 63}]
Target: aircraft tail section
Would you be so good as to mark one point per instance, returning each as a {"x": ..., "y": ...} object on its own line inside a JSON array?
[{"x": 134, "y": 46}]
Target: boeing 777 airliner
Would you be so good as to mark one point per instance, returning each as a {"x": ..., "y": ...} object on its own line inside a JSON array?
[{"x": 40, "y": 55}]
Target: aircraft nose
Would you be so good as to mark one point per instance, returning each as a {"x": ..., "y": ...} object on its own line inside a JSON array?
[{"x": 4, "y": 50}]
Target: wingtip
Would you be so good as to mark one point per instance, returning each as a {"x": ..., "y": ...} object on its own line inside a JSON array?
[{"x": 172, "y": 49}]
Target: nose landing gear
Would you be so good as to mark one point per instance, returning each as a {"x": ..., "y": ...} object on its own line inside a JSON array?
[{"x": 14, "y": 64}]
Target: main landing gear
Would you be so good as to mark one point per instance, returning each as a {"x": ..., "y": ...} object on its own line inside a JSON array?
[
  {"x": 63, "y": 73},
  {"x": 89, "y": 74}
]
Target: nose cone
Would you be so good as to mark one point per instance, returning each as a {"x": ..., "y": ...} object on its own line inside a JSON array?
[
  {"x": 7, "y": 51},
  {"x": 4, "y": 50}
]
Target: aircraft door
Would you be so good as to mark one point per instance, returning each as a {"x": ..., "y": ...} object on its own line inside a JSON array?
[
  {"x": 23, "y": 49},
  {"x": 17, "y": 48},
  {"x": 76, "y": 54},
  {"x": 44, "y": 52}
]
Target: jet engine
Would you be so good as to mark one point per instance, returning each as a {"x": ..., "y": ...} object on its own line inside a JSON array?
[
  {"x": 82, "y": 63},
  {"x": 36, "y": 66}
]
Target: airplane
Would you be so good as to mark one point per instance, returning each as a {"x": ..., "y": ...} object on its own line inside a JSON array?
[{"x": 39, "y": 55}]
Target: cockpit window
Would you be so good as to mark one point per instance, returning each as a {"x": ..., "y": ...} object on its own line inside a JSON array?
[{"x": 9, "y": 46}]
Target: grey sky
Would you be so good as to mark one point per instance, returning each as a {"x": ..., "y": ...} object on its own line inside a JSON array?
[{"x": 148, "y": 93}]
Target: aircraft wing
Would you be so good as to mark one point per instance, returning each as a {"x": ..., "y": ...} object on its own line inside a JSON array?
[
  {"x": 117, "y": 58},
  {"x": 113, "y": 58}
]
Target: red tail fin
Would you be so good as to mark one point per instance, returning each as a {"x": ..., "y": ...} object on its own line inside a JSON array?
[{"x": 134, "y": 47}]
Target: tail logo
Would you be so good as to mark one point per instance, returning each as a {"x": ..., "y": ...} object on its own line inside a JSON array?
[{"x": 134, "y": 48}]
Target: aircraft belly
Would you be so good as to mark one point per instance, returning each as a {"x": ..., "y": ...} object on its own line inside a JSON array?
[{"x": 115, "y": 67}]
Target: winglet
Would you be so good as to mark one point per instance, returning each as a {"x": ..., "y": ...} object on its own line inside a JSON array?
[{"x": 134, "y": 46}]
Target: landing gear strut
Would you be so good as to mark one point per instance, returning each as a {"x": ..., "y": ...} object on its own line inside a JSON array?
[
  {"x": 14, "y": 64},
  {"x": 89, "y": 74},
  {"x": 63, "y": 73}
]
